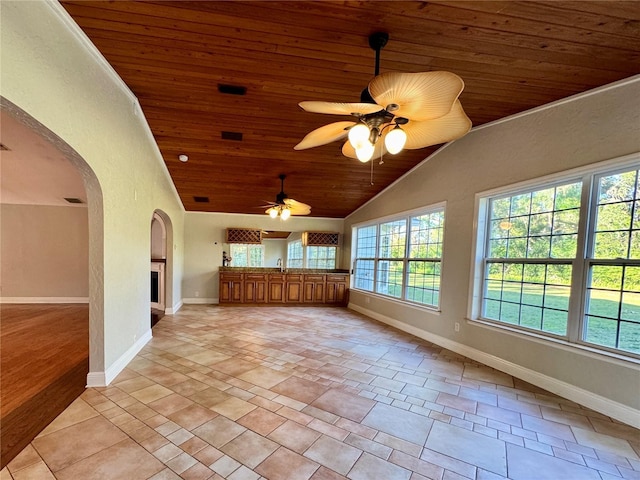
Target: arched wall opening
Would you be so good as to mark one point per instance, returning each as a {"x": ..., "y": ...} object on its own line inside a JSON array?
[
  {"x": 96, "y": 231},
  {"x": 60, "y": 290},
  {"x": 162, "y": 262}
]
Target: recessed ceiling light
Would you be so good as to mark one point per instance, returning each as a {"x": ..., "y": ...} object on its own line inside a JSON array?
[{"x": 183, "y": 157}]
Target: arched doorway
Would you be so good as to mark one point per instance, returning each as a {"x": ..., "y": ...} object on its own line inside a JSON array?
[
  {"x": 50, "y": 296},
  {"x": 161, "y": 266}
]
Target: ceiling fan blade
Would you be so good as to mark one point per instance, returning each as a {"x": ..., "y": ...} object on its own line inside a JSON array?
[
  {"x": 297, "y": 208},
  {"x": 451, "y": 126},
  {"x": 378, "y": 151},
  {"x": 323, "y": 135},
  {"x": 420, "y": 96},
  {"x": 340, "y": 108}
]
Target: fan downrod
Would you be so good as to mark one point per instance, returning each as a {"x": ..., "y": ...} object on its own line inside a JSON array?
[{"x": 377, "y": 41}]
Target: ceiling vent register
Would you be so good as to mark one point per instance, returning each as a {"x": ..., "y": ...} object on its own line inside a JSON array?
[{"x": 244, "y": 235}]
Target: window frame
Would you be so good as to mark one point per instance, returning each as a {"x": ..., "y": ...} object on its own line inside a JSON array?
[
  {"x": 406, "y": 259},
  {"x": 580, "y": 264}
]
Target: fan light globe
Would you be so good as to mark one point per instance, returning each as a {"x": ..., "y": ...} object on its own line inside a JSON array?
[
  {"x": 358, "y": 135},
  {"x": 285, "y": 213},
  {"x": 273, "y": 213},
  {"x": 395, "y": 140},
  {"x": 365, "y": 152}
]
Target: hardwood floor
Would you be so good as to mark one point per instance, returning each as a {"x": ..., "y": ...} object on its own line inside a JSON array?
[{"x": 44, "y": 362}]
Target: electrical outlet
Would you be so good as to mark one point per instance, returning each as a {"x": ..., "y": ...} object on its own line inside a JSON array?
[
  {"x": 197, "y": 294},
  {"x": 367, "y": 300},
  {"x": 456, "y": 327}
]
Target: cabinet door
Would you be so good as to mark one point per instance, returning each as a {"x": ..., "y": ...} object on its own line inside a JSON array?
[
  {"x": 313, "y": 288},
  {"x": 308, "y": 291},
  {"x": 294, "y": 292},
  {"x": 255, "y": 288},
  {"x": 230, "y": 288},
  {"x": 275, "y": 288},
  {"x": 293, "y": 288},
  {"x": 261, "y": 291},
  {"x": 336, "y": 289}
]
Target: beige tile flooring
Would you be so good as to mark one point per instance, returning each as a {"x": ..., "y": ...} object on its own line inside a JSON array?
[{"x": 247, "y": 393}]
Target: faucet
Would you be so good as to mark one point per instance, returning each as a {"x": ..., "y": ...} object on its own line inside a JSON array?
[{"x": 279, "y": 265}]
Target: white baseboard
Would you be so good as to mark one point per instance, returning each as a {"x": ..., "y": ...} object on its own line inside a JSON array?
[
  {"x": 199, "y": 301},
  {"x": 174, "y": 309},
  {"x": 44, "y": 299},
  {"x": 606, "y": 406},
  {"x": 102, "y": 379}
]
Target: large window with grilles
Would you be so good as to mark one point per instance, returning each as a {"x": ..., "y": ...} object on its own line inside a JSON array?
[
  {"x": 401, "y": 257},
  {"x": 562, "y": 258}
]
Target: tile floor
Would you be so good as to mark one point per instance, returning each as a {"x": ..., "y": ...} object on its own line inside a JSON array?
[{"x": 276, "y": 393}]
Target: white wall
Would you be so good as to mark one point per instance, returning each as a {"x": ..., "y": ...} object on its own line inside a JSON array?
[
  {"x": 589, "y": 128},
  {"x": 205, "y": 235},
  {"x": 44, "y": 254},
  {"x": 274, "y": 250},
  {"x": 53, "y": 76}
]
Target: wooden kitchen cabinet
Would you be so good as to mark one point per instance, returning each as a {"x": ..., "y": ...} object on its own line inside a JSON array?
[
  {"x": 251, "y": 287},
  {"x": 313, "y": 288},
  {"x": 231, "y": 287},
  {"x": 337, "y": 289},
  {"x": 255, "y": 288}
]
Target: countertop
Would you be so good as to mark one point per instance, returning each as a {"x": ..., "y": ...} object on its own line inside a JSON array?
[{"x": 277, "y": 270}]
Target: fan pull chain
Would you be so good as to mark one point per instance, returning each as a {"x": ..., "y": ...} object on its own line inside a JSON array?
[{"x": 371, "y": 173}]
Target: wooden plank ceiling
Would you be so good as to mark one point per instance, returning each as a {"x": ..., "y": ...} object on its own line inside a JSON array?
[{"x": 512, "y": 56}]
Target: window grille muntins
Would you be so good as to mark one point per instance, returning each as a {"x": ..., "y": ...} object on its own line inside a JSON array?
[
  {"x": 401, "y": 257},
  {"x": 562, "y": 259}
]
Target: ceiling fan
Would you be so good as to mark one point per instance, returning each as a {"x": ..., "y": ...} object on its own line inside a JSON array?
[
  {"x": 402, "y": 110},
  {"x": 284, "y": 206}
]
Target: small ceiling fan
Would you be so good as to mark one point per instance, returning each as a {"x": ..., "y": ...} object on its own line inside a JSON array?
[
  {"x": 284, "y": 206},
  {"x": 402, "y": 110}
]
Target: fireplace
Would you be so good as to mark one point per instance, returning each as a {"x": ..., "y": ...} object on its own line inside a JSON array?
[{"x": 157, "y": 284}]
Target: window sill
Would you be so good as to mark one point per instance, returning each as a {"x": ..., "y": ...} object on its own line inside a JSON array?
[
  {"x": 554, "y": 341},
  {"x": 417, "y": 306}
]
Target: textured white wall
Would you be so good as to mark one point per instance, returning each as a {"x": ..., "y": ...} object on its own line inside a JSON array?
[
  {"x": 53, "y": 73},
  {"x": 601, "y": 125}
]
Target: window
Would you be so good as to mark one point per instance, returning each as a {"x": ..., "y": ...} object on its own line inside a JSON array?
[
  {"x": 532, "y": 240},
  {"x": 612, "y": 307},
  {"x": 311, "y": 256},
  {"x": 563, "y": 259},
  {"x": 401, "y": 257},
  {"x": 246, "y": 255},
  {"x": 294, "y": 255},
  {"x": 321, "y": 257}
]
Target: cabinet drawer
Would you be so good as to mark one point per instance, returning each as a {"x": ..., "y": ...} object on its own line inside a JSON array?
[
  {"x": 230, "y": 276},
  {"x": 255, "y": 276},
  {"x": 314, "y": 278},
  {"x": 276, "y": 277},
  {"x": 337, "y": 278},
  {"x": 294, "y": 277}
]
